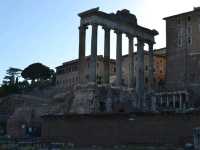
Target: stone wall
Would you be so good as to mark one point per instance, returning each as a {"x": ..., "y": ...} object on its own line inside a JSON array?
[
  {"x": 91, "y": 98},
  {"x": 110, "y": 129}
]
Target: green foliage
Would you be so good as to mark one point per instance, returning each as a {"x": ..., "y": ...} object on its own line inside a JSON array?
[
  {"x": 40, "y": 75},
  {"x": 12, "y": 75},
  {"x": 36, "y": 71}
]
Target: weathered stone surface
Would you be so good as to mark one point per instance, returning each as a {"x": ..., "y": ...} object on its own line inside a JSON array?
[{"x": 95, "y": 99}]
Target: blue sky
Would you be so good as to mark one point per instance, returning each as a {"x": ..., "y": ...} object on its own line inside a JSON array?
[{"x": 46, "y": 31}]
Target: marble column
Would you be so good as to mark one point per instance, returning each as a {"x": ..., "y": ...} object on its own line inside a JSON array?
[
  {"x": 131, "y": 62},
  {"x": 119, "y": 58},
  {"x": 140, "y": 72},
  {"x": 82, "y": 37},
  {"x": 93, "y": 58},
  {"x": 106, "y": 55},
  {"x": 151, "y": 66}
]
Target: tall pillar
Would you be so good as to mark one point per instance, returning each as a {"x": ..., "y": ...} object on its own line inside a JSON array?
[
  {"x": 140, "y": 73},
  {"x": 167, "y": 98},
  {"x": 82, "y": 36},
  {"x": 119, "y": 58},
  {"x": 106, "y": 55},
  {"x": 196, "y": 138},
  {"x": 93, "y": 58},
  {"x": 131, "y": 62},
  {"x": 151, "y": 66},
  {"x": 174, "y": 101},
  {"x": 161, "y": 100},
  {"x": 180, "y": 101},
  {"x": 187, "y": 99}
]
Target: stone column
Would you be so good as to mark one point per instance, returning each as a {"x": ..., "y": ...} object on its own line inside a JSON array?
[
  {"x": 161, "y": 100},
  {"x": 187, "y": 99},
  {"x": 93, "y": 58},
  {"x": 174, "y": 101},
  {"x": 131, "y": 62},
  {"x": 151, "y": 66},
  {"x": 153, "y": 103},
  {"x": 140, "y": 73},
  {"x": 106, "y": 55},
  {"x": 167, "y": 98},
  {"x": 196, "y": 138},
  {"x": 119, "y": 58},
  {"x": 82, "y": 36},
  {"x": 180, "y": 101}
]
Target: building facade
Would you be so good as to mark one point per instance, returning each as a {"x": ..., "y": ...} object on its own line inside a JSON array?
[
  {"x": 67, "y": 75},
  {"x": 159, "y": 72},
  {"x": 183, "y": 50}
]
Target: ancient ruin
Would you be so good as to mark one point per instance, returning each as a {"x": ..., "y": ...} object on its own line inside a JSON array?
[{"x": 121, "y": 22}]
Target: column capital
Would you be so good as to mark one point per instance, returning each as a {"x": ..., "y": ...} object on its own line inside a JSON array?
[
  {"x": 129, "y": 36},
  {"x": 150, "y": 42},
  {"x": 141, "y": 39},
  {"x": 118, "y": 31},
  {"x": 150, "y": 46},
  {"x": 106, "y": 28},
  {"x": 83, "y": 27},
  {"x": 140, "y": 42},
  {"x": 94, "y": 25}
]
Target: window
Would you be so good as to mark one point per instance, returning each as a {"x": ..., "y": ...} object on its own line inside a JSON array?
[
  {"x": 154, "y": 70},
  {"x": 178, "y": 21},
  {"x": 146, "y": 80},
  {"x": 146, "y": 67},
  {"x": 190, "y": 40},
  {"x": 189, "y": 35},
  {"x": 114, "y": 69},
  {"x": 189, "y": 30},
  {"x": 189, "y": 18},
  {"x": 180, "y": 37}
]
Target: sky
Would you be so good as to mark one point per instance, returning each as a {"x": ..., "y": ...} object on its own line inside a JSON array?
[{"x": 46, "y": 31}]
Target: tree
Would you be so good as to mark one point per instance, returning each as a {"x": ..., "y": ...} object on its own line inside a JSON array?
[
  {"x": 36, "y": 71},
  {"x": 12, "y": 76}
]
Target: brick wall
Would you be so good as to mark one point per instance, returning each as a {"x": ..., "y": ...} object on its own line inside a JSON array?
[{"x": 110, "y": 129}]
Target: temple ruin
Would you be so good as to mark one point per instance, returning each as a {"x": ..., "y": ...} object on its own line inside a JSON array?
[{"x": 121, "y": 22}]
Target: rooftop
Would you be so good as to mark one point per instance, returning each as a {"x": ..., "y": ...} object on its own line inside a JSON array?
[{"x": 195, "y": 9}]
